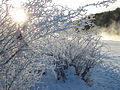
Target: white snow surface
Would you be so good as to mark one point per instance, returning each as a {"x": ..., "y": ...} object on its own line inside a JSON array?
[{"x": 105, "y": 76}]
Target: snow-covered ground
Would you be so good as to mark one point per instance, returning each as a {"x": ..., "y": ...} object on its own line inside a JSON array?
[{"x": 105, "y": 76}]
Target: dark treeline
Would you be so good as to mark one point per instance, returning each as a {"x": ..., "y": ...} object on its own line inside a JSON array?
[{"x": 105, "y": 19}]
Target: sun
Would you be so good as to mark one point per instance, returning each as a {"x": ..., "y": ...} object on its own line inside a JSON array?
[
  {"x": 17, "y": 12},
  {"x": 18, "y": 15}
]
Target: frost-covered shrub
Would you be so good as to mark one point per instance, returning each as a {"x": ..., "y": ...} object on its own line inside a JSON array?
[{"x": 70, "y": 48}]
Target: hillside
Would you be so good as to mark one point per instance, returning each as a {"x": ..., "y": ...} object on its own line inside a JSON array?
[{"x": 105, "y": 19}]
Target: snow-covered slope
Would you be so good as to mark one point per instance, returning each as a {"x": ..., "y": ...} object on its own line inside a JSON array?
[{"x": 105, "y": 76}]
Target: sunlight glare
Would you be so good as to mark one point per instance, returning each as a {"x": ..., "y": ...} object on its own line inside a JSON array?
[{"x": 18, "y": 15}]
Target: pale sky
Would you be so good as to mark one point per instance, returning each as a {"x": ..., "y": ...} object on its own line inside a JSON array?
[{"x": 74, "y": 4}]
